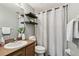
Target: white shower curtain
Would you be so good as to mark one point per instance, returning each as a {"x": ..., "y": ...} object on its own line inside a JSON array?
[
  {"x": 50, "y": 30},
  {"x": 59, "y": 31}
]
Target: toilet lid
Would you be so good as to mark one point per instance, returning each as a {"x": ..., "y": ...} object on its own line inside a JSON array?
[{"x": 40, "y": 48}]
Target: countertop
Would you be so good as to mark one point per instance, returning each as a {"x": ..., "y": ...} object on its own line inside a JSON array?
[{"x": 5, "y": 52}]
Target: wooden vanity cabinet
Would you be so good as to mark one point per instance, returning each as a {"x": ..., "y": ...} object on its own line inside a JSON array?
[
  {"x": 29, "y": 50},
  {"x": 20, "y": 52}
]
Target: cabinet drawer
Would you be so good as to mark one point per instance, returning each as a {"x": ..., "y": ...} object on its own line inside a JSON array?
[{"x": 20, "y": 52}]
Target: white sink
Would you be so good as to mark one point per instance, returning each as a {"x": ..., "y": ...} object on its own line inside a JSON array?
[{"x": 17, "y": 44}]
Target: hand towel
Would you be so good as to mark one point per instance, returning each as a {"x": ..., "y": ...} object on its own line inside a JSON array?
[
  {"x": 5, "y": 30},
  {"x": 76, "y": 29},
  {"x": 70, "y": 30}
]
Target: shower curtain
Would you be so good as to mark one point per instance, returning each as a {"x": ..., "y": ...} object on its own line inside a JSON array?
[{"x": 51, "y": 30}]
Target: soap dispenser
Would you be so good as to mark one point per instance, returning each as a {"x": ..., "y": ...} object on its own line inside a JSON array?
[{"x": 2, "y": 41}]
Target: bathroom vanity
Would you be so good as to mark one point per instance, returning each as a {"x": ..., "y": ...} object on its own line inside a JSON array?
[{"x": 27, "y": 50}]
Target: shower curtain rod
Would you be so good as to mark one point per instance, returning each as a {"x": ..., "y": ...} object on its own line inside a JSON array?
[{"x": 54, "y": 8}]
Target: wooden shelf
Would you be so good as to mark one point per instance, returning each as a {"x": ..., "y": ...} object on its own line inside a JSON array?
[
  {"x": 29, "y": 22},
  {"x": 31, "y": 15}
]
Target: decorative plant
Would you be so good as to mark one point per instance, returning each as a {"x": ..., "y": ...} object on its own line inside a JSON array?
[{"x": 21, "y": 30}]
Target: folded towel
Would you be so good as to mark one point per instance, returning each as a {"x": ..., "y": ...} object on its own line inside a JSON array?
[{"x": 32, "y": 38}]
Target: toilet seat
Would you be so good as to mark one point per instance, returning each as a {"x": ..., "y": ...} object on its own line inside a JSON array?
[{"x": 39, "y": 49}]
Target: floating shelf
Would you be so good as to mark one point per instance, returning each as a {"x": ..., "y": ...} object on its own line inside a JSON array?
[
  {"x": 31, "y": 15},
  {"x": 29, "y": 22}
]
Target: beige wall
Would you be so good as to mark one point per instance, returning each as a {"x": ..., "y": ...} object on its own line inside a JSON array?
[
  {"x": 8, "y": 18},
  {"x": 73, "y": 10}
]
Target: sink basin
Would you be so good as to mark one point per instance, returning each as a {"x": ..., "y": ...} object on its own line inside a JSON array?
[{"x": 16, "y": 44}]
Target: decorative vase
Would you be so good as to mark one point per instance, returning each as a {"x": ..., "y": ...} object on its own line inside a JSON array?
[
  {"x": 19, "y": 35},
  {"x": 23, "y": 36}
]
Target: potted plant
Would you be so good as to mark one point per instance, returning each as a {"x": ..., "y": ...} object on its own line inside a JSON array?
[
  {"x": 23, "y": 35},
  {"x": 21, "y": 32}
]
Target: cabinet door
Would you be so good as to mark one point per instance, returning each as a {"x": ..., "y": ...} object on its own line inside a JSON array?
[
  {"x": 20, "y": 52},
  {"x": 30, "y": 50}
]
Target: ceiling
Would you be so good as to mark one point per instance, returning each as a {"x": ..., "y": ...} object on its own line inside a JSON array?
[
  {"x": 38, "y": 7},
  {"x": 44, "y": 6},
  {"x": 11, "y": 6}
]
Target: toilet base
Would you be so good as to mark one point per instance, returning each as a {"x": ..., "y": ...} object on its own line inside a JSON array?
[{"x": 39, "y": 54}]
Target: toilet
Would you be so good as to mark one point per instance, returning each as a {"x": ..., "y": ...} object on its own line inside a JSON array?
[{"x": 39, "y": 50}]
